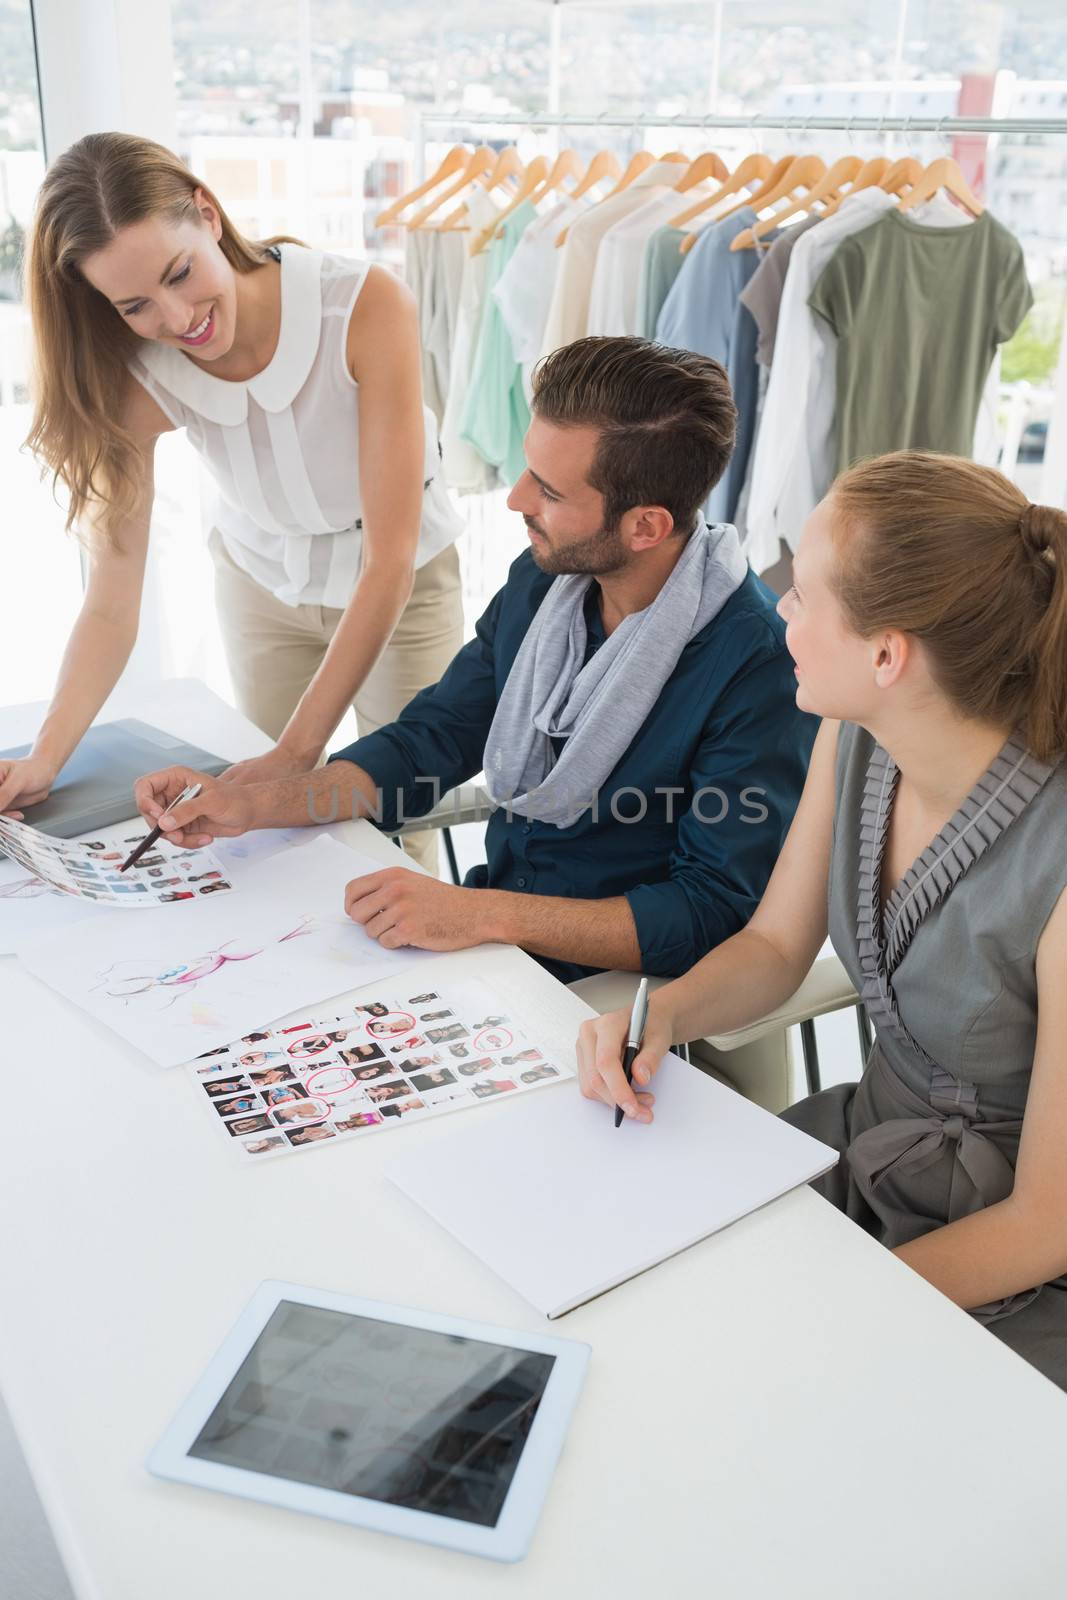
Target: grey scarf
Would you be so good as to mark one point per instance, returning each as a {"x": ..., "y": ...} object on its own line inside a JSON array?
[{"x": 597, "y": 708}]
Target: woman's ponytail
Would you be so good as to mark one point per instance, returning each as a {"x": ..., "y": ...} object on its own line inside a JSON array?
[{"x": 1043, "y": 530}]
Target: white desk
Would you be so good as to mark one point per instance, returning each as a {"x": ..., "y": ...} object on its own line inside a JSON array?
[{"x": 782, "y": 1411}]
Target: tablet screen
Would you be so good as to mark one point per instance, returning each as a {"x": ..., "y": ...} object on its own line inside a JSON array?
[{"x": 430, "y": 1421}]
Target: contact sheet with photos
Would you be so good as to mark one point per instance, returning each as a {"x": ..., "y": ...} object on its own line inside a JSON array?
[
  {"x": 88, "y": 869},
  {"x": 385, "y": 1062}
]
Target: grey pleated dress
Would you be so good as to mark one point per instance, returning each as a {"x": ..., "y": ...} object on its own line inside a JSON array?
[{"x": 931, "y": 1131}]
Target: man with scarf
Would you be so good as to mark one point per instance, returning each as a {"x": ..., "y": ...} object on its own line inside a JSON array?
[{"x": 628, "y": 695}]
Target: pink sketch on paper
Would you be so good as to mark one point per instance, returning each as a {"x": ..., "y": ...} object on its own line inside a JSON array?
[
  {"x": 184, "y": 977},
  {"x": 24, "y": 889}
]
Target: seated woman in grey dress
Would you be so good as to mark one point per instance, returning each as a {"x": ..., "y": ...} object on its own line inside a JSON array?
[{"x": 929, "y": 627}]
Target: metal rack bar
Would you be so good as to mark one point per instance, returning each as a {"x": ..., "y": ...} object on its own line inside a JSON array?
[{"x": 943, "y": 125}]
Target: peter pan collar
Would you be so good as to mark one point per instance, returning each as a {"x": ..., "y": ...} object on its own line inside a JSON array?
[{"x": 225, "y": 400}]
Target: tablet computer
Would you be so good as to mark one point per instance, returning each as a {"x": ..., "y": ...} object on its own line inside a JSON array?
[
  {"x": 95, "y": 787},
  {"x": 432, "y": 1427}
]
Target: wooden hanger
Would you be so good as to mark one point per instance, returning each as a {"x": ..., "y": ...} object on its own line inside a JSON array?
[
  {"x": 605, "y": 164},
  {"x": 507, "y": 166},
  {"x": 869, "y": 176},
  {"x": 455, "y": 161},
  {"x": 708, "y": 165},
  {"x": 456, "y": 221},
  {"x": 478, "y": 165},
  {"x": 826, "y": 188},
  {"x": 902, "y": 175},
  {"x": 568, "y": 164},
  {"x": 638, "y": 163},
  {"x": 943, "y": 174},
  {"x": 532, "y": 178},
  {"x": 804, "y": 173},
  {"x": 801, "y": 173},
  {"x": 753, "y": 169}
]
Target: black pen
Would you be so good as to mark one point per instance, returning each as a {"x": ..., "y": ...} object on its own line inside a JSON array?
[
  {"x": 635, "y": 1038},
  {"x": 190, "y": 792}
]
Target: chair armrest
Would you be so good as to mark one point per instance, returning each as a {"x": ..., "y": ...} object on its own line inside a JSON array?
[
  {"x": 826, "y": 988},
  {"x": 612, "y": 991},
  {"x": 467, "y": 803}
]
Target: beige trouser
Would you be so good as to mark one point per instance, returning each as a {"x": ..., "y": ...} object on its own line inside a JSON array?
[{"x": 274, "y": 651}]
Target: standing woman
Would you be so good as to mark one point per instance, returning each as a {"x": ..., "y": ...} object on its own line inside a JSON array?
[{"x": 296, "y": 376}]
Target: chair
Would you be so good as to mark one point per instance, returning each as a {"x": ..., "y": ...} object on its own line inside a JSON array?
[{"x": 467, "y": 803}]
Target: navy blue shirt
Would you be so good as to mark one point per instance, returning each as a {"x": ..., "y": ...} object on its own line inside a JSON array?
[{"x": 715, "y": 773}]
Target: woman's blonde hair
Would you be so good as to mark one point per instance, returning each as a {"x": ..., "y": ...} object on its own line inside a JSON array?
[
  {"x": 954, "y": 554},
  {"x": 82, "y": 347}
]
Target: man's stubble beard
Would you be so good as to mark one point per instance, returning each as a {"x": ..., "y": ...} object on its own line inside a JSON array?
[{"x": 599, "y": 555}]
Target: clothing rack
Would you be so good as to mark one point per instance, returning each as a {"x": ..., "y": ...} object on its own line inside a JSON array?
[
  {"x": 1054, "y": 476},
  {"x": 798, "y": 124}
]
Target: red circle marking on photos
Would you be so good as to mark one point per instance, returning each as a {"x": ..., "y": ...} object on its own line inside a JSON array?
[
  {"x": 301, "y": 1122},
  {"x": 331, "y": 1096},
  {"x": 376, "y": 1025},
  {"x": 494, "y": 1039}
]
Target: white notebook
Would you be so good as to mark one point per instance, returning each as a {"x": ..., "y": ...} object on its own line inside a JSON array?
[{"x": 563, "y": 1206}]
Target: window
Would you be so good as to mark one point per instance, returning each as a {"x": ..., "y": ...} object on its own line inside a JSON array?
[{"x": 39, "y": 605}]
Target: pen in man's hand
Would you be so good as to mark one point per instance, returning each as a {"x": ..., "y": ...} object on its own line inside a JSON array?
[
  {"x": 634, "y": 1038},
  {"x": 190, "y": 792}
]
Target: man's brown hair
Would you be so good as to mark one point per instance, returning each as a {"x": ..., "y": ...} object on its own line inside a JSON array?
[{"x": 666, "y": 419}]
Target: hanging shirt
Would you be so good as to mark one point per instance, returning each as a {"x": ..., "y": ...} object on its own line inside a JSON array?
[
  {"x": 703, "y": 312},
  {"x": 741, "y": 509},
  {"x": 419, "y": 277},
  {"x": 496, "y": 415},
  {"x": 283, "y": 447},
  {"x": 465, "y": 470},
  {"x": 762, "y": 293},
  {"x": 524, "y": 289},
  {"x": 925, "y": 308},
  {"x": 661, "y": 263},
  {"x": 792, "y": 466},
  {"x": 614, "y": 306},
  {"x": 795, "y": 454},
  {"x": 438, "y": 327},
  {"x": 569, "y": 312}
]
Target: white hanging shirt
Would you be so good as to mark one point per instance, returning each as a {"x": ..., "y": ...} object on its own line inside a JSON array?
[
  {"x": 613, "y": 294},
  {"x": 283, "y": 447},
  {"x": 465, "y": 470},
  {"x": 569, "y": 312},
  {"x": 524, "y": 289}
]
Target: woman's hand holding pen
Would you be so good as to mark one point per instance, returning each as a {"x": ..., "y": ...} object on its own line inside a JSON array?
[{"x": 601, "y": 1043}]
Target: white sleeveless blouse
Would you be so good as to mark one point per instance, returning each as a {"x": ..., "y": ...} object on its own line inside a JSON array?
[{"x": 283, "y": 447}]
